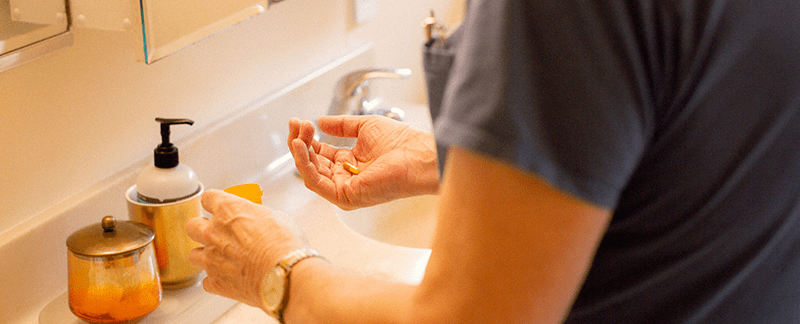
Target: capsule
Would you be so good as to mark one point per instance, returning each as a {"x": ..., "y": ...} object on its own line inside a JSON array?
[{"x": 351, "y": 168}]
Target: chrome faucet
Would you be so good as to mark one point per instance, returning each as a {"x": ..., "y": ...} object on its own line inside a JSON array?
[{"x": 351, "y": 96}]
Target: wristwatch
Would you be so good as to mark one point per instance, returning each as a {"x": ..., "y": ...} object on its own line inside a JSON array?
[{"x": 275, "y": 285}]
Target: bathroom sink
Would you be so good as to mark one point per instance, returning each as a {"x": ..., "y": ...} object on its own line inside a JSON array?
[{"x": 405, "y": 222}]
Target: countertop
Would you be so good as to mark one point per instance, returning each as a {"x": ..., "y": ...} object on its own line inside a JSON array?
[{"x": 325, "y": 232}]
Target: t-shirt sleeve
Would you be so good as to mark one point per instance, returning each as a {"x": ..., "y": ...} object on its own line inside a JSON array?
[{"x": 556, "y": 88}]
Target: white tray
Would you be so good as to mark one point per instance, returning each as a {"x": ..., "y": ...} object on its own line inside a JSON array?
[{"x": 189, "y": 305}]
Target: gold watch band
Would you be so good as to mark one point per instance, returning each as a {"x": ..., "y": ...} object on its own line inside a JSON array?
[{"x": 287, "y": 262}]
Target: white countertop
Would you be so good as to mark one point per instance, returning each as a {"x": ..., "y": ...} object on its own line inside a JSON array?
[{"x": 325, "y": 231}]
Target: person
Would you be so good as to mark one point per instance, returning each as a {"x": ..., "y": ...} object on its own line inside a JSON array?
[{"x": 608, "y": 162}]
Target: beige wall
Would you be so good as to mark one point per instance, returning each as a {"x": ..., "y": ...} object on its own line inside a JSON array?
[{"x": 82, "y": 114}]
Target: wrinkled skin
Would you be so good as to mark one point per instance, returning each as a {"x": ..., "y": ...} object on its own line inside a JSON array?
[
  {"x": 241, "y": 242},
  {"x": 396, "y": 160}
]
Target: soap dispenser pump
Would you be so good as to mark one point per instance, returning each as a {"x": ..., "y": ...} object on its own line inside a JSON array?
[
  {"x": 167, "y": 180},
  {"x": 165, "y": 197}
]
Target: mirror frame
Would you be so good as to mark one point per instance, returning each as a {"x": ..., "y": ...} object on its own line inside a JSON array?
[
  {"x": 35, "y": 50},
  {"x": 38, "y": 42}
]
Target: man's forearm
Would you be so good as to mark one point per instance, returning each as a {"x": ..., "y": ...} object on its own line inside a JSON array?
[{"x": 321, "y": 293}]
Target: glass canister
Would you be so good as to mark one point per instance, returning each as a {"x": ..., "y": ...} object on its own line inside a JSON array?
[{"x": 113, "y": 274}]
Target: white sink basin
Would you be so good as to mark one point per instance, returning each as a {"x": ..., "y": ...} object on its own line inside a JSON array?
[{"x": 406, "y": 222}]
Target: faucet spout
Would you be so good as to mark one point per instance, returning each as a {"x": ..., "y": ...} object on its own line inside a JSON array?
[
  {"x": 351, "y": 91},
  {"x": 351, "y": 97}
]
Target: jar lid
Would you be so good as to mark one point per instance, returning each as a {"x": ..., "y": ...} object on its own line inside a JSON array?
[{"x": 109, "y": 238}]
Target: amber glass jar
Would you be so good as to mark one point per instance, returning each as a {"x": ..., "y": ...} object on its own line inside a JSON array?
[{"x": 113, "y": 274}]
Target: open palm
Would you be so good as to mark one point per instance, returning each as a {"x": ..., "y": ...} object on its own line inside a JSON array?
[{"x": 395, "y": 159}]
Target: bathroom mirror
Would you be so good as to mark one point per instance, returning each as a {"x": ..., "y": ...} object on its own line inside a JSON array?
[
  {"x": 170, "y": 25},
  {"x": 29, "y": 29}
]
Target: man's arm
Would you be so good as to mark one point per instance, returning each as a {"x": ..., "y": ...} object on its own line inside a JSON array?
[{"x": 509, "y": 248}]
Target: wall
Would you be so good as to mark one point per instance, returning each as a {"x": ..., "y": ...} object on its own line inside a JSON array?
[{"x": 80, "y": 115}]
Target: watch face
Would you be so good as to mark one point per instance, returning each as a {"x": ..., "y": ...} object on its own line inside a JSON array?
[{"x": 273, "y": 286}]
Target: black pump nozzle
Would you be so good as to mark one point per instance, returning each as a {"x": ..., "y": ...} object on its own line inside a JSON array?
[{"x": 166, "y": 154}]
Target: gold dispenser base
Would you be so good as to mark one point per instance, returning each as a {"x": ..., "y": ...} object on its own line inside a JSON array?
[{"x": 171, "y": 243}]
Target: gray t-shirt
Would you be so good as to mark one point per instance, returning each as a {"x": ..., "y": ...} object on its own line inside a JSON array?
[{"x": 682, "y": 116}]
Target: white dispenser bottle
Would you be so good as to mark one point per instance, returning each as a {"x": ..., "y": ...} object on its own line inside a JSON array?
[{"x": 166, "y": 180}]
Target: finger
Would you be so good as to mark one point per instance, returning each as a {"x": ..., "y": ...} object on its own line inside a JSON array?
[
  {"x": 197, "y": 258},
  {"x": 327, "y": 151},
  {"x": 294, "y": 130},
  {"x": 314, "y": 158},
  {"x": 219, "y": 286},
  {"x": 295, "y": 152},
  {"x": 209, "y": 287},
  {"x": 306, "y": 162},
  {"x": 306, "y": 132},
  {"x": 196, "y": 229},
  {"x": 211, "y": 200},
  {"x": 304, "y": 154},
  {"x": 218, "y": 202},
  {"x": 300, "y": 153},
  {"x": 342, "y": 126},
  {"x": 312, "y": 176}
]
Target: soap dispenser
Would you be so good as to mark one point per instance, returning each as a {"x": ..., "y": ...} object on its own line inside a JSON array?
[
  {"x": 165, "y": 197},
  {"x": 166, "y": 180}
]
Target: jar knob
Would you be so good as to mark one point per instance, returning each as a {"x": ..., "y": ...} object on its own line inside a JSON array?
[{"x": 108, "y": 223}]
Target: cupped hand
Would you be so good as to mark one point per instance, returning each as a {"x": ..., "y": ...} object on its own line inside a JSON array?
[
  {"x": 241, "y": 242},
  {"x": 396, "y": 160}
]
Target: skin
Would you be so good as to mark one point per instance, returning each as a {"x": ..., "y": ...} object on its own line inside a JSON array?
[
  {"x": 396, "y": 160},
  {"x": 515, "y": 253},
  {"x": 241, "y": 242}
]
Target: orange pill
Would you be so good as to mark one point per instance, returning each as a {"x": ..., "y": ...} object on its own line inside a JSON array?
[{"x": 351, "y": 168}]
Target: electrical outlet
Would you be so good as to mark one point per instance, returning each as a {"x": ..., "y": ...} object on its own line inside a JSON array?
[{"x": 364, "y": 10}]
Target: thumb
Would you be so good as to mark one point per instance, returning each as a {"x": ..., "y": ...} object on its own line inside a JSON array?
[{"x": 342, "y": 126}]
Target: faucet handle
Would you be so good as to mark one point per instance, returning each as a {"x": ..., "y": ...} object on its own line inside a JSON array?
[{"x": 349, "y": 83}]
